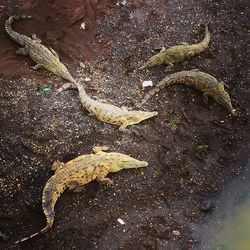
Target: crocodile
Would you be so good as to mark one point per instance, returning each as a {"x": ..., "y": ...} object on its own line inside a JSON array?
[
  {"x": 204, "y": 82},
  {"x": 112, "y": 114},
  {"x": 31, "y": 46},
  {"x": 74, "y": 174},
  {"x": 178, "y": 53}
]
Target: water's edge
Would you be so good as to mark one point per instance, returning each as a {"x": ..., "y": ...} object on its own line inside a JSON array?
[{"x": 228, "y": 227}]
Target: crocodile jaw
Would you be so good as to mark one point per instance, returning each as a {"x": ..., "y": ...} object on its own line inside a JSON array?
[
  {"x": 62, "y": 71},
  {"x": 225, "y": 101},
  {"x": 135, "y": 164},
  {"x": 155, "y": 60},
  {"x": 138, "y": 116}
]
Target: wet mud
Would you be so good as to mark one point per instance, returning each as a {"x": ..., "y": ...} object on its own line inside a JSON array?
[
  {"x": 193, "y": 149},
  {"x": 228, "y": 226}
]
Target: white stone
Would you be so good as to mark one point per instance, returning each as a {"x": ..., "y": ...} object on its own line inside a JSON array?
[
  {"x": 121, "y": 221},
  {"x": 83, "y": 26},
  {"x": 87, "y": 79},
  {"x": 176, "y": 232},
  {"x": 147, "y": 84}
]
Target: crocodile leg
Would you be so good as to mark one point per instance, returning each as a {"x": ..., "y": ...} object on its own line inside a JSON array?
[
  {"x": 225, "y": 85},
  {"x": 97, "y": 149},
  {"x": 122, "y": 128},
  {"x": 38, "y": 66},
  {"x": 101, "y": 177},
  {"x": 160, "y": 49},
  {"x": 34, "y": 37},
  {"x": 22, "y": 51},
  {"x": 205, "y": 98},
  {"x": 191, "y": 53},
  {"x": 57, "y": 165},
  {"x": 169, "y": 65},
  {"x": 168, "y": 68},
  {"x": 75, "y": 186}
]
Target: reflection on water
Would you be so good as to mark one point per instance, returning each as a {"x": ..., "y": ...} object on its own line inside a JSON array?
[{"x": 229, "y": 225}]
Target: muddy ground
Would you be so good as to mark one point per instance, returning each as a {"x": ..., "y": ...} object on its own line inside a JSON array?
[{"x": 193, "y": 150}]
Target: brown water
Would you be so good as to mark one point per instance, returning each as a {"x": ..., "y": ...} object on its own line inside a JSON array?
[{"x": 229, "y": 226}]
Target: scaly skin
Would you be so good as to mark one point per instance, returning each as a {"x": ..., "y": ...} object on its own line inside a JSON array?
[
  {"x": 178, "y": 53},
  {"x": 43, "y": 56},
  {"x": 78, "y": 172},
  {"x": 112, "y": 114},
  {"x": 199, "y": 80}
]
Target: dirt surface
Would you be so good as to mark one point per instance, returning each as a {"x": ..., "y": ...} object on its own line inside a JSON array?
[{"x": 193, "y": 150}]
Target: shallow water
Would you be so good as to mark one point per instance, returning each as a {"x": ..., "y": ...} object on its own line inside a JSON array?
[{"x": 228, "y": 227}]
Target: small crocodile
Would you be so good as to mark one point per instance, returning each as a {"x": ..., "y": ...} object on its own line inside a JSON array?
[
  {"x": 199, "y": 80},
  {"x": 112, "y": 114},
  {"x": 78, "y": 172},
  {"x": 43, "y": 56},
  {"x": 178, "y": 53}
]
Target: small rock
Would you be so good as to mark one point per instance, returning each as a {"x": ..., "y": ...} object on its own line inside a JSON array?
[
  {"x": 206, "y": 205},
  {"x": 130, "y": 15},
  {"x": 121, "y": 221},
  {"x": 147, "y": 84},
  {"x": 87, "y": 79},
  {"x": 176, "y": 232},
  {"x": 82, "y": 65},
  {"x": 83, "y": 26},
  {"x": 123, "y": 2}
]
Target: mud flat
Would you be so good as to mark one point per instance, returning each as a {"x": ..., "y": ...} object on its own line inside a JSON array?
[{"x": 193, "y": 150}]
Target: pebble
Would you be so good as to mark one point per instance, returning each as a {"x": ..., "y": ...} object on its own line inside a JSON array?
[
  {"x": 121, "y": 221},
  {"x": 147, "y": 84},
  {"x": 176, "y": 232},
  {"x": 206, "y": 205}
]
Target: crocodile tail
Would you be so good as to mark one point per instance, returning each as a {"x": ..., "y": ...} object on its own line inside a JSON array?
[
  {"x": 14, "y": 35},
  {"x": 162, "y": 84},
  {"x": 86, "y": 101},
  {"x": 44, "y": 230},
  {"x": 150, "y": 94},
  {"x": 52, "y": 191},
  {"x": 207, "y": 37},
  {"x": 178, "y": 77},
  {"x": 201, "y": 46},
  {"x": 81, "y": 89}
]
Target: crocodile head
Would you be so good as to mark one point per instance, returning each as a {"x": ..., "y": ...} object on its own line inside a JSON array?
[
  {"x": 155, "y": 60},
  {"x": 135, "y": 117},
  {"x": 62, "y": 71},
  {"x": 122, "y": 161},
  {"x": 225, "y": 101}
]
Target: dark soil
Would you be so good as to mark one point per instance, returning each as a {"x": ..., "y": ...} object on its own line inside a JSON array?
[{"x": 193, "y": 150}]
